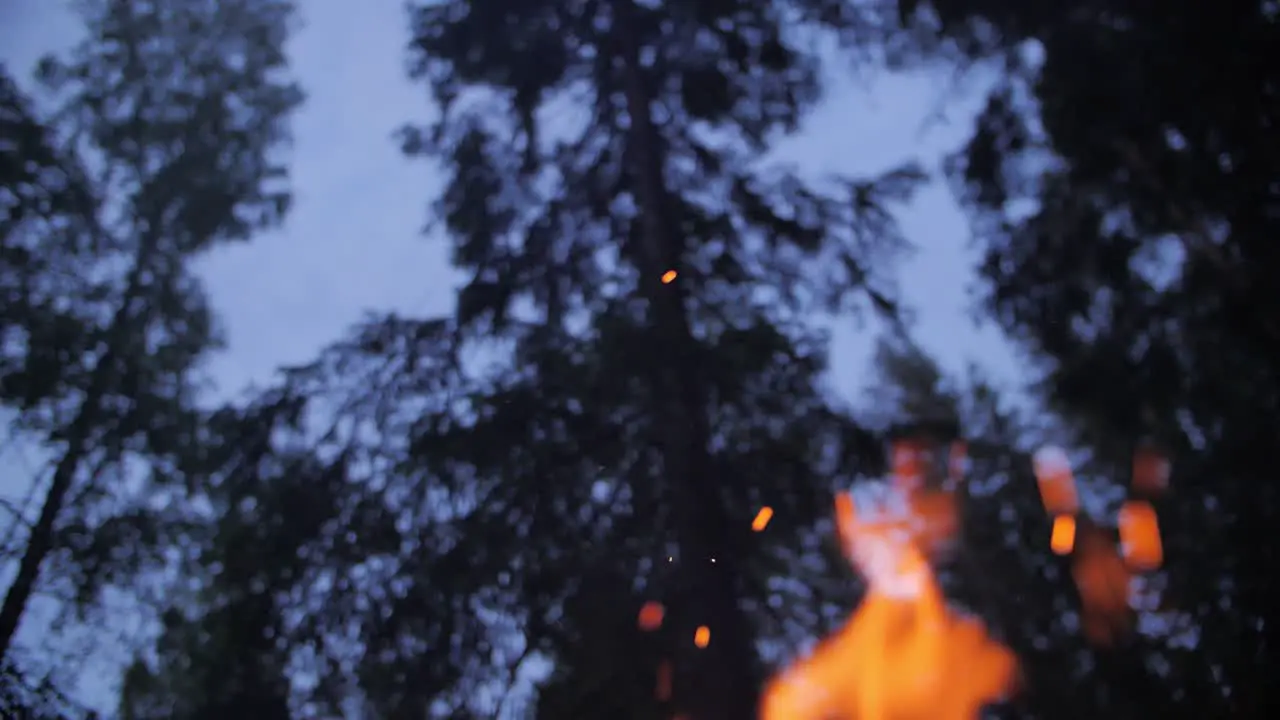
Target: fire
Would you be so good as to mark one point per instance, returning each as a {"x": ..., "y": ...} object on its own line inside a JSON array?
[
  {"x": 1063, "y": 539},
  {"x": 1140, "y": 536},
  {"x": 1103, "y": 582},
  {"x": 1056, "y": 482},
  {"x": 904, "y": 654},
  {"x": 1102, "y": 570}
]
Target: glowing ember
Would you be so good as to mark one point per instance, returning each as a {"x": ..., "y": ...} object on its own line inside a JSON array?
[
  {"x": 1103, "y": 573},
  {"x": 668, "y": 276},
  {"x": 1103, "y": 582},
  {"x": 904, "y": 654},
  {"x": 1140, "y": 536},
  {"x": 762, "y": 519},
  {"x": 702, "y": 636},
  {"x": 651, "y": 615},
  {"x": 1057, "y": 484},
  {"x": 1063, "y": 539}
]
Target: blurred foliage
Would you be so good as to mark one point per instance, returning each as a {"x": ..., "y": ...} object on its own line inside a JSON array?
[
  {"x": 1122, "y": 185},
  {"x": 460, "y": 516},
  {"x": 159, "y": 143},
  {"x": 484, "y": 460}
]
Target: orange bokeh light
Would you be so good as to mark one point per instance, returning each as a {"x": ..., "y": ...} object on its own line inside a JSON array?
[
  {"x": 1140, "y": 536},
  {"x": 651, "y": 615},
  {"x": 1056, "y": 481},
  {"x": 702, "y": 636},
  {"x": 1103, "y": 582},
  {"x": 762, "y": 519},
  {"x": 1063, "y": 539}
]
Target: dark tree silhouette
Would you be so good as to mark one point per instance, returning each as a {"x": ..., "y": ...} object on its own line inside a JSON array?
[
  {"x": 160, "y": 146},
  {"x": 1122, "y": 180}
]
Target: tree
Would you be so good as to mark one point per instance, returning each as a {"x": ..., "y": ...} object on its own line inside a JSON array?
[
  {"x": 1130, "y": 245},
  {"x": 607, "y": 662},
  {"x": 588, "y": 230},
  {"x": 1003, "y": 571},
  {"x": 578, "y": 410},
  {"x": 222, "y": 650},
  {"x": 164, "y": 145},
  {"x": 38, "y": 188}
]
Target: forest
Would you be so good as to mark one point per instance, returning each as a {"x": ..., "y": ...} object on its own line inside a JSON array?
[{"x": 612, "y": 482}]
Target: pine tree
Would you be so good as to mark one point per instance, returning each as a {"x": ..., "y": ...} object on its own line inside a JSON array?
[
  {"x": 629, "y": 375},
  {"x": 652, "y": 236},
  {"x": 223, "y": 650},
  {"x": 1142, "y": 141},
  {"x": 163, "y": 144}
]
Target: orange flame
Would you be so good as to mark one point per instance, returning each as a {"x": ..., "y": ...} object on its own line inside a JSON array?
[
  {"x": 904, "y": 654},
  {"x": 1056, "y": 481},
  {"x": 1140, "y": 536},
  {"x": 1103, "y": 573},
  {"x": 1103, "y": 582},
  {"x": 1063, "y": 539}
]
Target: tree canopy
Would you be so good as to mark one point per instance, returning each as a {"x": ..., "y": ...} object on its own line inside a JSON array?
[
  {"x": 1122, "y": 185},
  {"x": 161, "y": 143},
  {"x": 462, "y": 515}
]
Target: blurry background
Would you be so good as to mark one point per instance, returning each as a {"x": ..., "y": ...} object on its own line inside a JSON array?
[{"x": 1043, "y": 224}]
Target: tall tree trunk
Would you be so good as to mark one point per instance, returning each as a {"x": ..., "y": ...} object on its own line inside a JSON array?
[
  {"x": 40, "y": 541},
  {"x": 719, "y": 681}
]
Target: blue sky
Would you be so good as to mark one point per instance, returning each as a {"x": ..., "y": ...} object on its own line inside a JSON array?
[{"x": 353, "y": 243}]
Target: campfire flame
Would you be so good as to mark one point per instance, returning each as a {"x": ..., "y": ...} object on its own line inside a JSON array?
[
  {"x": 904, "y": 654},
  {"x": 1103, "y": 570}
]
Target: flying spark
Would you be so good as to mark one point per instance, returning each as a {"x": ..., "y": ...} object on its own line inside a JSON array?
[
  {"x": 762, "y": 518},
  {"x": 702, "y": 636}
]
